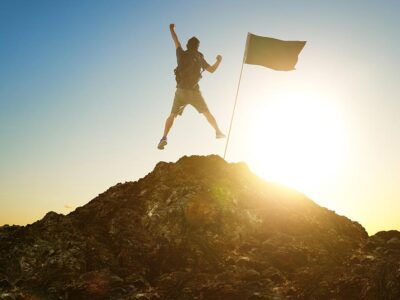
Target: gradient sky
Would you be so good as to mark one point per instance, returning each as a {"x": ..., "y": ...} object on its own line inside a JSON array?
[{"x": 85, "y": 87}]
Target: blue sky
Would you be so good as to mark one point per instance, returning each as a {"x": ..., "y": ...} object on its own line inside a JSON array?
[{"x": 85, "y": 87}]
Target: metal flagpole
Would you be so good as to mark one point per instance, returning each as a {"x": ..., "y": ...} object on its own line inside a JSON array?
[{"x": 237, "y": 93}]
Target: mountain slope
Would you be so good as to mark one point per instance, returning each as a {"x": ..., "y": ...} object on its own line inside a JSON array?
[{"x": 200, "y": 228}]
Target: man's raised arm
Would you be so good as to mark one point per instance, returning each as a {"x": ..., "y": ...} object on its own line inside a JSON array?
[
  {"x": 214, "y": 67},
  {"x": 174, "y": 36}
]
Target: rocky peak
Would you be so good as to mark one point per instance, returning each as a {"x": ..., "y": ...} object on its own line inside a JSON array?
[{"x": 200, "y": 228}]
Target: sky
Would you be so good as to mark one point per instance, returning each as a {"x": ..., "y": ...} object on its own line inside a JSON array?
[{"x": 85, "y": 87}]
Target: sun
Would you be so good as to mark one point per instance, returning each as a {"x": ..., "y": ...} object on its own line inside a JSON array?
[{"x": 297, "y": 138}]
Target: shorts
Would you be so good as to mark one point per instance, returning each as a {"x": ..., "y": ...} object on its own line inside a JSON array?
[{"x": 184, "y": 97}]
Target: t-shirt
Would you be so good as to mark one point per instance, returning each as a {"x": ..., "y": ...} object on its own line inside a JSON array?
[{"x": 203, "y": 63}]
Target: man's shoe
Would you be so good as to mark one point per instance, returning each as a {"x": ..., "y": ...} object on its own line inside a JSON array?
[
  {"x": 162, "y": 143},
  {"x": 219, "y": 135}
]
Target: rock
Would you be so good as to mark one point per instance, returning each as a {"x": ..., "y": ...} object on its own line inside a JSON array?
[
  {"x": 394, "y": 242},
  {"x": 142, "y": 296},
  {"x": 200, "y": 228},
  {"x": 7, "y": 296},
  {"x": 256, "y": 296},
  {"x": 5, "y": 284},
  {"x": 251, "y": 274}
]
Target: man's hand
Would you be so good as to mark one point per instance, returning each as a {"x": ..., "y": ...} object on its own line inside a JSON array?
[
  {"x": 214, "y": 67},
  {"x": 174, "y": 36}
]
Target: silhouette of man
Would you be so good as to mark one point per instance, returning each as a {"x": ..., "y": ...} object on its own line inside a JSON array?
[{"x": 191, "y": 64}]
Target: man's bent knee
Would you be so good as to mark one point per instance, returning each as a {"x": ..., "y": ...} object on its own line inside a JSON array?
[{"x": 172, "y": 116}]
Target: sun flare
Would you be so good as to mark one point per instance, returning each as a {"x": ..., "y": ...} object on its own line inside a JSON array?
[{"x": 298, "y": 139}]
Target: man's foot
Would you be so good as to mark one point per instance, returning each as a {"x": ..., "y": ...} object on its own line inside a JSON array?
[
  {"x": 162, "y": 143},
  {"x": 219, "y": 135}
]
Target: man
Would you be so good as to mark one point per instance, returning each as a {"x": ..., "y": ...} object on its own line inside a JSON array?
[{"x": 191, "y": 64}]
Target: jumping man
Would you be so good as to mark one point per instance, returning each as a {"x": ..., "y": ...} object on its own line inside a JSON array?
[{"x": 191, "y": 64}]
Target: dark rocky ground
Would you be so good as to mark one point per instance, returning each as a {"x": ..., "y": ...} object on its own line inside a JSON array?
[{"x": 198, "y": 229}]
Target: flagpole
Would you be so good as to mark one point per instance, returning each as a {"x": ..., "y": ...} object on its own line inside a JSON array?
[{"x": 236, "y": 98}]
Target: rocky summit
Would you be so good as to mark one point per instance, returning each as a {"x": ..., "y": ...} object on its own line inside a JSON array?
[{"x": 200, "y": 228}]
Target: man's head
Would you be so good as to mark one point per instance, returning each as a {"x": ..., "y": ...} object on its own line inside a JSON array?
[{"x": 193, "y": 44}]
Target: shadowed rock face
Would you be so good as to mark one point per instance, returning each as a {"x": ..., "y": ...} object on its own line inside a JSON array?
[{"x": 199, "y": 228}]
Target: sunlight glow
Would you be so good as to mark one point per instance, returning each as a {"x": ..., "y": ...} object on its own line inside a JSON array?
[{"x": 297, "y": 138}]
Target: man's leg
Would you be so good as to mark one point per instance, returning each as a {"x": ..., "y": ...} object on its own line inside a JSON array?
[
  {"x": 177, "y": 108},
  {"x": 210, "y": 118},
  {"x": 168, "y": 124},
  {"x": 200, "y": 104}
]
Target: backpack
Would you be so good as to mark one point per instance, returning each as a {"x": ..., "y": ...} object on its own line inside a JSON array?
[{"x": 188, "y": 72}]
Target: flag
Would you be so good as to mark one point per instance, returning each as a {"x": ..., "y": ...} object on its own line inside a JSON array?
[{"x": 272, "y": 53}]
